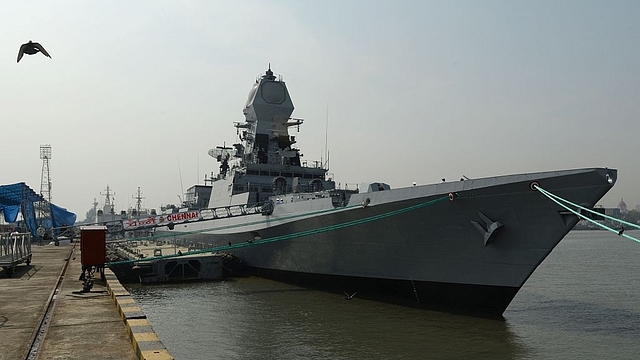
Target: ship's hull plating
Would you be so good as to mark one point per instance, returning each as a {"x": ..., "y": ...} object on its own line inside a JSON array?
[{"x": 414, "y": 243}]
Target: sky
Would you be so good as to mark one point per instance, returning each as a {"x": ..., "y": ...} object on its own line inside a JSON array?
[{"x": 137, "y": 92}]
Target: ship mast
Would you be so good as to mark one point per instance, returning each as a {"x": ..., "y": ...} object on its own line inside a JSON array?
[
  {"x": 139, "y": 199},
  {"x": 108, "y": 206}
]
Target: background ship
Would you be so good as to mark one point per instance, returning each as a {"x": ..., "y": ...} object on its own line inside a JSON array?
[{"x": 468, "y": 244}]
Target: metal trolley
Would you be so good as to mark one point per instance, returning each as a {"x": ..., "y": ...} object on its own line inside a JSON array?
[{"x": 15, "y": 248}]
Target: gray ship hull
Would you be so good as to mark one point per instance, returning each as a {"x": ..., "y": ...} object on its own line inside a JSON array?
[{"x": 429, "y": 245}]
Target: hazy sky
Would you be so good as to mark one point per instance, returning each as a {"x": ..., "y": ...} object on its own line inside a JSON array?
[{"x": 137, "y": 92}]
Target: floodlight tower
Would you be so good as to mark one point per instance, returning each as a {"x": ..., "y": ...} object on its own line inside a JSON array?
[
  {"x": 42, "y": 207},
  {"x": 45, "y": 178}
]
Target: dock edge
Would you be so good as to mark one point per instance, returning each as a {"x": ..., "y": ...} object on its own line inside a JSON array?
[{"x": 145, "y": 342}]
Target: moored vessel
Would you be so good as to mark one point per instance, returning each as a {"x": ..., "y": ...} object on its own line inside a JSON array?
[{"x": 468, "y": 244}]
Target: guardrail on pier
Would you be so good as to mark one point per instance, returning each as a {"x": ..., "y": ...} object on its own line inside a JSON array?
[{"x": 15, "y": 248}]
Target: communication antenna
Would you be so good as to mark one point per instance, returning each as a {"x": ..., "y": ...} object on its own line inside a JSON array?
[
  {"x": 45, "y": 178},
  {"x": 326, "y": 136},
  {"x": 180, "y": 173}
]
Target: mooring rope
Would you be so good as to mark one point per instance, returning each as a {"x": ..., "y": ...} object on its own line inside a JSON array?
[
  {"x": 287, "y": 236},
  {"x": 561, "y": 201}
]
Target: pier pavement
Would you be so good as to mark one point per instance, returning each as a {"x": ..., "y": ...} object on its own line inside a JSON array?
[{"x": 82, "y": 325}]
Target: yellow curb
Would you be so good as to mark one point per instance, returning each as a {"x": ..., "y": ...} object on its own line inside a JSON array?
[
  {"x": 140, "y": 337},
  {"x": 116, "y": 289},
  {"x": 138, "y": 322},
  {"x": 130, "y": 309},
  {"x": 161, "y": 354}
]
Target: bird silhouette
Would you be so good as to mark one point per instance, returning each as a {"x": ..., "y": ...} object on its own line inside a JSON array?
[
  {"x": 349, "y": 297},
  {"x": 620, "y": 232},
  {"x": 31, "y": 48}
]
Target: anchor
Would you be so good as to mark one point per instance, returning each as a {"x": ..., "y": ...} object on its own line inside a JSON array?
[{"x": 488, "y": 229}]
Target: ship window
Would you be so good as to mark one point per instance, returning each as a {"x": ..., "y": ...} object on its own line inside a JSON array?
[
  {"x": 274, "y": 173},
  {"x": 266, "y": 188},
  {"x": 264, "y": 173},
  {"x": 308, "y": 176},
  {"x": 286, "y": 174},
  {"x": 252, "y": 172}
]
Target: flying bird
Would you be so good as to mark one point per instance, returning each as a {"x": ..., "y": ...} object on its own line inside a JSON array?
[
  {"x": 31, "y": 48},
  {"x": 349, "y": 297}
]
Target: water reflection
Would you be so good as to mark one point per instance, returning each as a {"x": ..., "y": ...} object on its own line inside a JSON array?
[
  {"x": 581, "y": 303},
  {"x": 257, "y": 318}
]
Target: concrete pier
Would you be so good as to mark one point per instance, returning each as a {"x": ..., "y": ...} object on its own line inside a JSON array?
[{"x": 82, "y": 325}]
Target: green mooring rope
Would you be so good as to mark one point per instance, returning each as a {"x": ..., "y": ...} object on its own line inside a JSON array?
[
  {"x": 560, "y": 201},
  {"x": 287, "y": 236}
]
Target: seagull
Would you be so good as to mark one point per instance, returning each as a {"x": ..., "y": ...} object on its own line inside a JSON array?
[
  {"x": 349, "y": 297},
  {"x": 31, "y": 48},
  {"x": 620, "y": 232}
]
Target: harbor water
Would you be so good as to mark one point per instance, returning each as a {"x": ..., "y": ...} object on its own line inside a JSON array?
[{"x": 583, "y": 302}]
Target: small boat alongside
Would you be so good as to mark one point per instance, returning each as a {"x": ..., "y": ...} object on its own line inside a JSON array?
[{"x": 180, "y": 268}]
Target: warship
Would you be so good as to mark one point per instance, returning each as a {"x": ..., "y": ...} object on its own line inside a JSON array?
[{"x": 468, "y": 244}]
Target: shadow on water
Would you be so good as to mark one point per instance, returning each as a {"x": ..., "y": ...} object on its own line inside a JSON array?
[
  {"x": 258, "y": 318},
  {"x": 570, "y": 315}
]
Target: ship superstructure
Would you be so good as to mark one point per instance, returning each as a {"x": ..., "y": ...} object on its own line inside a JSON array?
[{"x": 266, "y": 162}]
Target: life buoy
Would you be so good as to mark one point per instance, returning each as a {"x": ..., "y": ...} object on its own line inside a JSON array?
[
  {"x": 451, "y": 196},
  {"x": 279, "y": 185},
  {"x": 315, "y": 185}
]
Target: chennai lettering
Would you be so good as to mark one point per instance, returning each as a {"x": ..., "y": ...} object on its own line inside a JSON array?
[
  {"x": 185, "y": 216},
  {"x": 161, "y": 220}
]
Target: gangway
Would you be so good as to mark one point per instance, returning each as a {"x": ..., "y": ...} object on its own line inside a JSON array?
[{"x": 15, "y": 248}]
